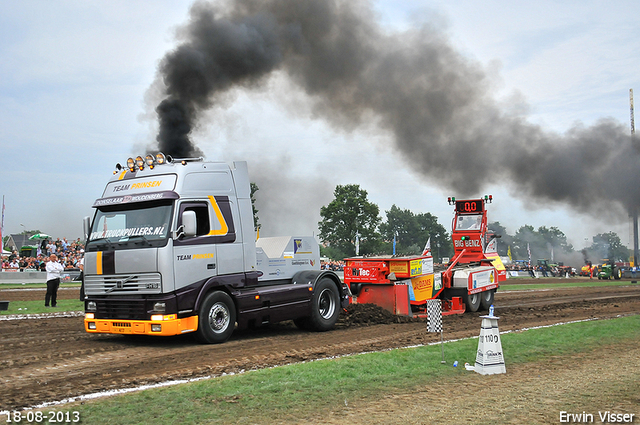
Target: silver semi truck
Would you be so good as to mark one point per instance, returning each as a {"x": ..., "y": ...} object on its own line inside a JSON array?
[{"x": 172, "y": 249}]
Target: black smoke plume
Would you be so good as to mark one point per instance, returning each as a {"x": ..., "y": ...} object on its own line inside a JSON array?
[{"x": 437, "y": 104}]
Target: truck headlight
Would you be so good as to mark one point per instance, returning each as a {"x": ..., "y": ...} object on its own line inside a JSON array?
[
  {"x": 160, "y": 307},
  {"x": 91, "y": 306}
]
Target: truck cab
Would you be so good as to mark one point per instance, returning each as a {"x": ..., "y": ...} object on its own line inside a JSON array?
[{"x": 172, "y": 249}]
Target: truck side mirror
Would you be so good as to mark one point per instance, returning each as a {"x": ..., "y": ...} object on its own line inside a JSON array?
[
  {"x": 189, "y": 223},
  {"x": 86, "y": 226}
]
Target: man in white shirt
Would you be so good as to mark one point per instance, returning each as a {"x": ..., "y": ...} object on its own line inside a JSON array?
[
  {"x": 54, "y": 269},
  {"x": 81, "y": 277}
]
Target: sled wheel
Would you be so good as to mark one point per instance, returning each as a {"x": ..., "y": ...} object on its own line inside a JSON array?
[
  {"x": 472, "y": 301},
  {"x": 486, "y": 299}
]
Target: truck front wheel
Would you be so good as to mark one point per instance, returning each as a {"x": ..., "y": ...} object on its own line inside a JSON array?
[
  {"x": 325, "y": 306},
  {"x": 472, "y": 301},
  {"x": 217, "y": 318}
]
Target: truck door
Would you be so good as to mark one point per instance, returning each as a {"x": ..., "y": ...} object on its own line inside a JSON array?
[
  {"x": 195, "y": 257},
  {"x": 215, "y": 249},
  {"x": 229, "y": 244}
]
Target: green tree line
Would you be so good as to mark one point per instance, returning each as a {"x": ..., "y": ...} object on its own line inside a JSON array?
[
  {"x": 351, "y": 213},
  {"x": 350, "y": 219}
]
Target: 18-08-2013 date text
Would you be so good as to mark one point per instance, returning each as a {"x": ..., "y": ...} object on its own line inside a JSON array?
[{"x": 37, "y": 416}]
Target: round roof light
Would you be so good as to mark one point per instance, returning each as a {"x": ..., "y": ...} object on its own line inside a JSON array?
[
  {"x": 160, "y": 158},
  {"x": 149, "y": 159},
  {"x": 140, "y": 162},
  {"x": 131, "y": 164}
]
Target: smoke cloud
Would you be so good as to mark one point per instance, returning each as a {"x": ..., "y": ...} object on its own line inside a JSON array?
[{"x": 437, "y": 104}]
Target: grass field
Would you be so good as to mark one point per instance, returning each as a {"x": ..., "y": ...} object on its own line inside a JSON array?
[
  {"x": 309, "y": 390},
  {"x": 37, "y": 307},
  {"x": 558, "y": 283}
]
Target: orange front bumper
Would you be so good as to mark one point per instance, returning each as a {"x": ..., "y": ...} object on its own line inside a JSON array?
[{"x": 165, "y": 327}]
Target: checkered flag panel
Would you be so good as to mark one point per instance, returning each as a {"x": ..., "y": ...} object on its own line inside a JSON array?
[{"x": 434, "y": 316}]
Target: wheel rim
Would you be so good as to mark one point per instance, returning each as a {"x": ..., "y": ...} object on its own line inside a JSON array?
[
  {"x": 474, "y": 298},
  {"x": 487, "y": 296},
  {"x": 326, "y": 304},
  {"x": 219, "y": 317}
]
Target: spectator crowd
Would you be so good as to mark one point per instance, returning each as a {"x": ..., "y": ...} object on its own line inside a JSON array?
[
  {"x": 332, "y": 265},
  {"x": 69, "y": 255}
]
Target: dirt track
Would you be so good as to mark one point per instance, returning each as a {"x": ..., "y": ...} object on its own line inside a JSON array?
[{"x": 52, "y": 359}]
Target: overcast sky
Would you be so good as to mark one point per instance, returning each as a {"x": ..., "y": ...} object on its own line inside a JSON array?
[{"x": 74, "y": 77}]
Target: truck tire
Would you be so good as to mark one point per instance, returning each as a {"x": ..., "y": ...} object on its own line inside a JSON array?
[
  {"x": 217, "y": 318},
  {"x": 325, "y": 306},
  {"x": 486, "y": 299},
  {"x": 618, "y": 274},
  {"x": 472, "y": 301},
  {"x": 302, "y": 323}
]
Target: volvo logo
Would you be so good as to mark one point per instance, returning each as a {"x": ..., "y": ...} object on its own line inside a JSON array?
[{"x": 120, "y": 284}]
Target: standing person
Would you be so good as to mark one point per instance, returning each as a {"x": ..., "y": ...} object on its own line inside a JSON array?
[
  {"x": 53, "y": 280},
  {"x": 81, "y": 278},
  {"x": 51, "y": 248}
]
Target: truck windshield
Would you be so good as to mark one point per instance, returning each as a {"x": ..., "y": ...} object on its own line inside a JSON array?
[
  {"x": 469, "y": 222},
  {"x": 142, "y": 224}
]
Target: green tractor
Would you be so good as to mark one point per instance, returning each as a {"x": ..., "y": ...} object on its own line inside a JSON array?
[{"x": 608, "y": 269}]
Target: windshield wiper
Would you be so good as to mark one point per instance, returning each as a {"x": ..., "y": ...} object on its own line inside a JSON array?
[
  {"x": 143, "y": 238},
  {"x": 109, "y": 243}
]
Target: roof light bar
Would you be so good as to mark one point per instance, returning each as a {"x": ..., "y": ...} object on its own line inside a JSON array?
[{"x": 150, "y": 160}]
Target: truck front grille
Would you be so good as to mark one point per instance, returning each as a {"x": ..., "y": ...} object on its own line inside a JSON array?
[
  {"x": 138, "y": 283},
  {"x": 121, "y": 309}
]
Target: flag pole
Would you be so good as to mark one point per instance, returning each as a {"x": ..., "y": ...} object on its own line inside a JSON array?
[{"x": 2, "y": 229}]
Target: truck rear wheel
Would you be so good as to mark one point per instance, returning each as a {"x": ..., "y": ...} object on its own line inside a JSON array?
[
  {"x": 472, "y": 301},
  {"x": 618, "y": 274},
  {"x": 486, "y": 299},
  {"x": 217, "y": 318},
  {"x": 325, "y": 306}
]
